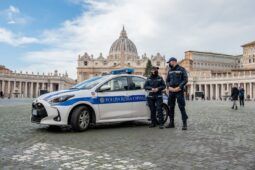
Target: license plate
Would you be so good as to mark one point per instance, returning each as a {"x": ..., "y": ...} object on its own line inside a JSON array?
[{"x": 34, "y": 112}]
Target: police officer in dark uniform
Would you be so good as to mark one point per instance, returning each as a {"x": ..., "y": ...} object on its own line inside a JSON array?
[
  {"x": 176, "y": 80},
  {"x": 155, "y": 84}
]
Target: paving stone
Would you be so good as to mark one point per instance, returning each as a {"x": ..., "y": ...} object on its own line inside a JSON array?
[{"x": 217, "y": 138}]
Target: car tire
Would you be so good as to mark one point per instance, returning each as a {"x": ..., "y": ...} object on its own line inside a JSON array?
[
  {"x": 54, "y": 127},
  {"x": 80, "y": 118},
  {"x": 165, "y": 113}
]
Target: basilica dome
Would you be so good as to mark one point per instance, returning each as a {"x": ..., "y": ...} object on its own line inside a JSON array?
[{"x": 123, "y": 46}]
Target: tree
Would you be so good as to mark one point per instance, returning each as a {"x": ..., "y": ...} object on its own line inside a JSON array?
[{"x": 148, "y": 68}]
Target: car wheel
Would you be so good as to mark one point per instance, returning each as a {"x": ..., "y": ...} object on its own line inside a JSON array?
[
  {"x": 80, "y": 119},
  {"x": 165, "y": 113}
]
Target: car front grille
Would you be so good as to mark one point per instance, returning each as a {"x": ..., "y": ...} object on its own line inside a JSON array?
[{"x": 40, "y": 112}]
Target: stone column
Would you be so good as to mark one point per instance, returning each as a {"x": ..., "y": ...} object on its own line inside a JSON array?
[
  {"x": 245, "y": 90},
  {"x": 8, "y": 88},
  {"x": 31, "y": 90},
  {"x": 251, "y": 96},
  {"x": 217, "y": 92},
  {"x": 200, "y": 87},
  {"x": 51, "y": 87},
  {"x": 227, "y": 88},
  {"x": 3, "y": 84},
  {"x": 37, "y": 89},
  {"x": 211, "y": 91},
  {"x": 14, "y": 85},
  {"x": 25, "y": 91},
  {"x": 206, "y": 91},
  {"x": 191, "y": 90},
  {"x": 253, "y": 90},
  {"x": 222, "y": 91},
  {"x": 44, "y": 86}
]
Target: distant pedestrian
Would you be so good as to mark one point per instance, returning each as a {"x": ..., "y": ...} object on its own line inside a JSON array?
[
  {"x": 187, "y": 96},
  {"x": 241, "y": 96},
  {"x": 1, "y": 94},
  {"x": 234, "y": 96},
  {"x": 192, "y": 97},
  {"x": 203, "y": 96}
]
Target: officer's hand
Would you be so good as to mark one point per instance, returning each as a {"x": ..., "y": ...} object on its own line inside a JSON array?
[
  {"x": 171, "y": 89},
  {"x": 177, "y": 89},
  {"x": 156, "y": 90}
]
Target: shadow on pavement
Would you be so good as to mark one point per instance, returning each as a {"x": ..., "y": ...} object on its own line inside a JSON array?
[{"x": 62, "y": 129}]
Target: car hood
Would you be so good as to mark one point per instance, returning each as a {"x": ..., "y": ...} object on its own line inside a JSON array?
[{"x": 51, "y": 95}]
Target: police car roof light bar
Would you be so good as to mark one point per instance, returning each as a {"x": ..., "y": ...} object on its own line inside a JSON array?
[{"x": 123, "y": 71}]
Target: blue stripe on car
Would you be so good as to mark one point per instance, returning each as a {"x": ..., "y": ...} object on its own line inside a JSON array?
[{"x": 105, "y": 100}]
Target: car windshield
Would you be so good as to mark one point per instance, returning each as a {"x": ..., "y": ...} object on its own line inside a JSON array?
[{"x": 88, "y": 84}]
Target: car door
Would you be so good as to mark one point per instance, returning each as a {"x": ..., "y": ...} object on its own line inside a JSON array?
[
  {"x": 138, "y": 96},
  {"x": 113, "y": 101}
]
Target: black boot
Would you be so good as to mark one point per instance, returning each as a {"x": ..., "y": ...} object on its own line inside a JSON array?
[
  {"x": 184, "y": 127},
  {"x": 171, "y": 124},
  {"x": 161, "y": 127},
  {"x": 236, "y": 107},
  {"x": 152, "y": 125}
]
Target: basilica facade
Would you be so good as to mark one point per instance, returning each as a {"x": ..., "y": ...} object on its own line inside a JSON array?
[{"x": 123, "y": 53}]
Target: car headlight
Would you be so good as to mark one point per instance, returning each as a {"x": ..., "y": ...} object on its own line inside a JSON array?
[{"x": 61, "y": 99}]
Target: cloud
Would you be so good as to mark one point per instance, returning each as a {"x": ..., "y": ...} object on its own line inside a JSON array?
[
  {"x": 49, "y": 60},
  {"x": 10, "y": 38},
  {"x": 166, "y": 26},
  {"x": 13, "y": 15}
]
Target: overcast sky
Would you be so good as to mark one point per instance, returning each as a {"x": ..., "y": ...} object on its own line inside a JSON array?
[{"x": 45, "y": 35}]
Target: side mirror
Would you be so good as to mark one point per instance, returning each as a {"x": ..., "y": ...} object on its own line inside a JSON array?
[{"x": 104, "y": 88}]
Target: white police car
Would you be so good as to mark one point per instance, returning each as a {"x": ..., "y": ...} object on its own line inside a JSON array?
[{"x": 115, "y": 97}]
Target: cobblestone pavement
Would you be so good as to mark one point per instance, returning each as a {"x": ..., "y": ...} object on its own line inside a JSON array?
[{"x": 218, "y": 138}]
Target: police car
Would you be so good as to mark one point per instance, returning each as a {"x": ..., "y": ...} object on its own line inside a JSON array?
[{"x": 115, "y": 97}]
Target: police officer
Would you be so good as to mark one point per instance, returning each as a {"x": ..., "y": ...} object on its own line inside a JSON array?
[
  {"x": 176, "y": 80},
  {"x": 155, "y": 84}
]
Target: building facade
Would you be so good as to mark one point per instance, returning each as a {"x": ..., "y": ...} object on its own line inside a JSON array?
[
  {"x": 249, "y": 55},
  {"x": 212, "y": 73},
  {"x": 123, "y": 53},
  {"x": 24, "y": 85},
  {"x": 215, "y": 74}
]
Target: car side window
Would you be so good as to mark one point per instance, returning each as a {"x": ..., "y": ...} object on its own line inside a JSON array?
[
  {"x": 137, "y": 83},
  {"x": 116, "y": 84}
]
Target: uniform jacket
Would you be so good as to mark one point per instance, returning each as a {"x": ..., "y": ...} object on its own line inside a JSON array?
[
  {"x": 177, "y": 76},
  {"x": 155, "y": 82},
  {"x": 234, "y": 93}
]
